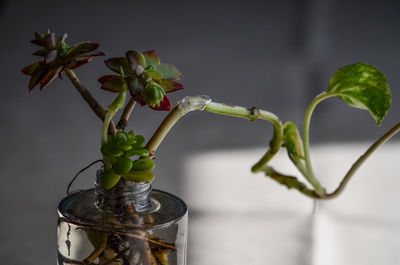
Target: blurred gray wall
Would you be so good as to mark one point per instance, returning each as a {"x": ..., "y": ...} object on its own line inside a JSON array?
[{"x": 276, "y": 55}]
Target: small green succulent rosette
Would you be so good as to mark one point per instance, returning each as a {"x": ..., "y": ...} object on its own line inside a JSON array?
[{"x": 118, "y": 150}]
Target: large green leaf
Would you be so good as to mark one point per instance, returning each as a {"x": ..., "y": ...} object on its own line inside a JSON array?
[{"x": 362, "y": 86}]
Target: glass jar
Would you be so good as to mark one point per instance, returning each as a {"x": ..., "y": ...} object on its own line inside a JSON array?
[{"x": 128, "y": 224}]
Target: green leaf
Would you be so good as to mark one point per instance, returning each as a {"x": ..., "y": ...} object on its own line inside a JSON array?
[
  {"x": 111, "y": 150},
  {"x": 362, "y": 86},
  {"x": 168, "y": 71},
  {"x": 134, "y": 85},
  {"x": 151, "y": 58},
  {"x": 122, "y": 166},
  {"x": 109, "y": 179},
  {"x": 139, "y": 176},
  {"x": 154, "y": 75},
  {"x": 137, "y": 152},
  {"x": 139, "y": 141},
  {"x": 143, "y": 164},
  {"x": 61, "y": 45},
  {"x": 292, "y": 140}
]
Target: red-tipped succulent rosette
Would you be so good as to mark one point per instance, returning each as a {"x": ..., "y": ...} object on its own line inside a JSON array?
[
  {"x": 57, "y": 56},
  {"x": 148, "y": 80}
]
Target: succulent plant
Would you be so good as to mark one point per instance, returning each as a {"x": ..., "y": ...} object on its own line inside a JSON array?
[
  {"x": 148, "y": 80},
  {"x": 57, "y": 56}
]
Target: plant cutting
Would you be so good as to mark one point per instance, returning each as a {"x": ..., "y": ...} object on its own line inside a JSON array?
[{"x": 122, "y": 220}]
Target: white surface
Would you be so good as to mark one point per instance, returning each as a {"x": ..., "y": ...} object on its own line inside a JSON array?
[{"x": 241, "y": 218}]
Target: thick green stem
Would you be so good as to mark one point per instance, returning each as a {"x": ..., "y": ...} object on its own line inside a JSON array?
[
  {"x": 203, "y": 103},
  {"x": 306, "y": 143},
  {"x": 253, "y": 114},
  {"x": 186, "y": 105},
  {"x": 107, "y": 120},
  {"x": 112, "y": 109}
]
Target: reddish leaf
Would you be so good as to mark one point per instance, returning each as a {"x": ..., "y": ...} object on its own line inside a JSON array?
[
  {"x": 76, "y": 62},
  {"x": 151, "y": 58},
  {"x": 111, "y": 83},
  {"x": 115, "y": 63},
  {"x": 168, "y": 71},
  {"x": 82, "y": 47},
  {"x": 30, "y": 69},
  {"x": 91, "y": 54},
  {"x": 164, "y": 105},
  {"x": 171, "y": 86},
  {"x": 49, "y": 77},
  {"x": 83, "y": 59},
  {"x": 56, "y": 58},
  {"x": 37, "y": 75},
  {"x": 43, "y": 52},
  {"x": 39, "y": 42},
  {"x": 106, "y": 78},
  {"x": 139, "y": 99}
]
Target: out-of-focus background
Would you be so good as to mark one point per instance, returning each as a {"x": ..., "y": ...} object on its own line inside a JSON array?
[{"x": 275, "y": 55}]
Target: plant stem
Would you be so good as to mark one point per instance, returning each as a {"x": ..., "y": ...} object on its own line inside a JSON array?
[
  {"x": 94, "y": 105},
  {"x": 253, "y": 114},
  {"x": 184, "y": 106},
  {"x": 306, "y": 143},
  {"x": 290, "y": 182},
  {"x": 106, "y": 124},
  {"x": 203, "y": 103},
  {"x": 389, "y": 134},
  {"x": 123, "y": 121}
]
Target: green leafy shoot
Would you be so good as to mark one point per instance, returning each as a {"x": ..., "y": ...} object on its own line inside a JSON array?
[{"x": 361, "y": 86}]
